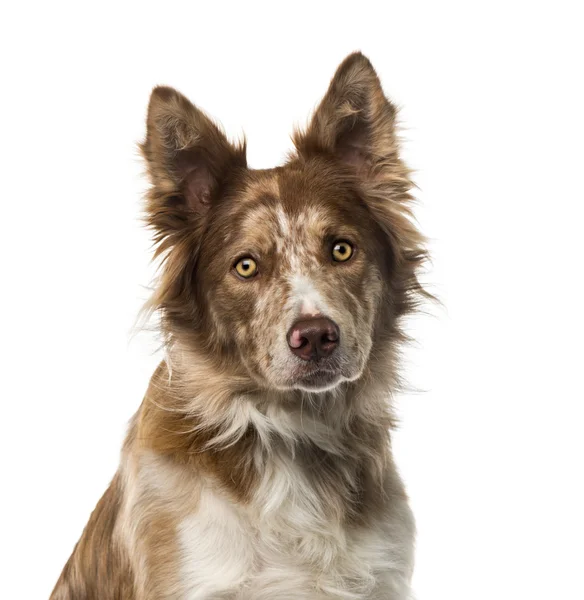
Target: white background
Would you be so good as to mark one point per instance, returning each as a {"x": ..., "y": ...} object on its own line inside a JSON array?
[{"x": 492, "y": 113}]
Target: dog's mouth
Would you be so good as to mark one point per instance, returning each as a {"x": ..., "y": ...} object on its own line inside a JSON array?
[{"x": 317, "y": 378}]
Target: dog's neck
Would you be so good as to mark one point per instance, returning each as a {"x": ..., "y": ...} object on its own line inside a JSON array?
[{"x": 201, "y": 418}]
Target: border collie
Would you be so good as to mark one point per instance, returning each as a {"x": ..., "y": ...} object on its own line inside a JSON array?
[{"x": 259, "y": 465}]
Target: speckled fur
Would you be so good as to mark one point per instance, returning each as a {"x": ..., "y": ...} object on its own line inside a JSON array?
[{"x": 238, "y": 480}]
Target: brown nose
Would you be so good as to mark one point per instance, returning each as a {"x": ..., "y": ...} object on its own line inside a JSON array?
[{"x": 311, "y": 339}]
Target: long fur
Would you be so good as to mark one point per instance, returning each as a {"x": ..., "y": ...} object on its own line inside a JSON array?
[{"x": 235, "y": 481}]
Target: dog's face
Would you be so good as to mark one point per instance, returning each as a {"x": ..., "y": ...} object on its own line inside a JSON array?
[
  {"x": 293, "y": 273},
  {"x": 291, "y": 265}
]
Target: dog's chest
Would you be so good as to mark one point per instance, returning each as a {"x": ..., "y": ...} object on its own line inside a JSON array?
[{"x": 288, "y": 545}]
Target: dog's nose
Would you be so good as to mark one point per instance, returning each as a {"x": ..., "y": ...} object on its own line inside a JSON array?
[{"x": 313, "y": 338}]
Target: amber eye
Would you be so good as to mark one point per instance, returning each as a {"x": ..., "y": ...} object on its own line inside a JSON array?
[
  {"x": 246, "y": 267},
  {"x": 342, "y": 251}
]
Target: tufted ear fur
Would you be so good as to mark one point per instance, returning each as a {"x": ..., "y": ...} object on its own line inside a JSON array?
[
  {"x": 355, "y": 125},
  {"x": 354, "y": 121},
  {"x": 188, "y": 157}
]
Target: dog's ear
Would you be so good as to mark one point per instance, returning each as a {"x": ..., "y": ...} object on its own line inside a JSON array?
[
  {"x": 355, "y": 124},
  {"x": 354, "y": 121},
  {"x": 188, "y": 157}
]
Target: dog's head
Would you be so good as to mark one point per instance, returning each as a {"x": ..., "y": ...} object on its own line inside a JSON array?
[{"x": 293, "y": 276}]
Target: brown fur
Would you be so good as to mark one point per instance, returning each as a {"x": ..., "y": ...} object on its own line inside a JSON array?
[
  {"x": 98, "y": 568},
  {"x": 206, "y": 208}
]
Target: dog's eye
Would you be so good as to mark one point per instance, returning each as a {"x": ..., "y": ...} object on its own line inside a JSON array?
[
  {"x": 246, "y": 267},
  {"x": 342, "y": 251}
]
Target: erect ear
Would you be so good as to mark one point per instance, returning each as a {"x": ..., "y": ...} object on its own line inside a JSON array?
[
  {"x": 355, "y": 124},
  {"x": 187, "y": 156},
  {"x": 354, "y": 121}
]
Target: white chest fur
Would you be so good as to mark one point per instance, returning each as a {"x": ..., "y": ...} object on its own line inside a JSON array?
[{"x": 284, "y": 547}]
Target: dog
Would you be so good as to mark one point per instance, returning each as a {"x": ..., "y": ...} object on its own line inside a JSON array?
[{"x": 259, "y": 464}]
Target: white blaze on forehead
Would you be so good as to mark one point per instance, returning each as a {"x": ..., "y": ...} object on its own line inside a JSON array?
[
  {"x": 311, "y": 219},
  {"x": 283, "y": 222},
  {"x": 305, "y": 296}
]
